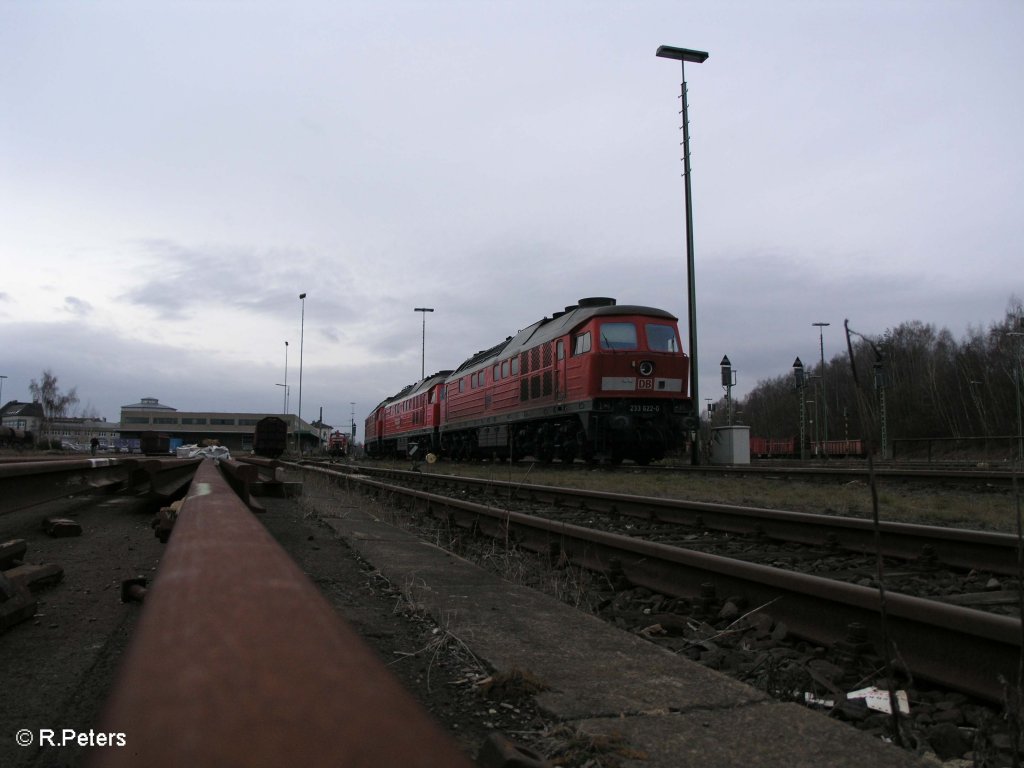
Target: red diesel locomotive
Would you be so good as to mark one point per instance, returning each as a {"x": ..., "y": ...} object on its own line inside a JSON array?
[
  {"x": 408, "y": 423},
  {"x": 597, "y": 381}
]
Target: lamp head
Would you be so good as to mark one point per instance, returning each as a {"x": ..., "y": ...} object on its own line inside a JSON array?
[{"x": 681, "y": 54}]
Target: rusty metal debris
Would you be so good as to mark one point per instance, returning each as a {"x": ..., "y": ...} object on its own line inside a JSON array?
[
  {"x": 61, "y": 527},
  {"x": 18, "y": 582}
]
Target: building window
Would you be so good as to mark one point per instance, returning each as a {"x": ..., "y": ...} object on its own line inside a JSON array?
[
  {"x": 223, "y": 422},
  {"x": 185, "y": 420},
  {"x": 164, "y": 420},
  {"x": 136, "y": 420}
]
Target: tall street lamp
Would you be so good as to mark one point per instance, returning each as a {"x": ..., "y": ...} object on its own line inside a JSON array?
[
  {"x": 2, "y": 391},
  {"x": 423, "y": 347},
  {"x": 302, "y": 339},
  {"x": 683, "y": 55},
  {"x": 824, "y": 398},
  {"x": 285, "y": 411},
  {"x": 285, "y": 385}
]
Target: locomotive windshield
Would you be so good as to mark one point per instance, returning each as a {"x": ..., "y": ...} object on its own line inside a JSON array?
[
  {"x": 616, "y": 336},
  {"x": 662, "y": 338}
]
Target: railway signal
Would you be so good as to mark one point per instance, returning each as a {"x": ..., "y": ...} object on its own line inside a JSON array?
[{"x": 801, "y": 382}]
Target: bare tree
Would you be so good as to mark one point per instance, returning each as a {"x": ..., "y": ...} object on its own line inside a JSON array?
[
  {"x": 935, "y": 385},
  {"x": 55, "y": 403}
]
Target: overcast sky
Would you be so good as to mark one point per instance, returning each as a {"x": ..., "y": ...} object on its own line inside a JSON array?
[{"x": 174, "y": 174}]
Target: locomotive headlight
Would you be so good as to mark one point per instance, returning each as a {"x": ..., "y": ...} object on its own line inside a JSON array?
[{"x": 646, "y": 368}]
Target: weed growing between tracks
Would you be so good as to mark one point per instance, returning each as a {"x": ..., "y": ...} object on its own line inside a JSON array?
[{"x": 444, "y": 642}]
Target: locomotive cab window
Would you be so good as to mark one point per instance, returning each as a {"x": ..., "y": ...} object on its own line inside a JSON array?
[
  {"x": 581, "y": 343},
  {"x": 662, "y": 338},
  {"x": 618, "y": 336}
]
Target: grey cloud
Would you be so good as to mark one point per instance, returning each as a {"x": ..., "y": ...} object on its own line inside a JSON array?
[{"x": 76, "y": 306}]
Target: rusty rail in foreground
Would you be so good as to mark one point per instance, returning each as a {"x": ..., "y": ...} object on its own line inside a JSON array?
[{"x": 237, "y": 660}]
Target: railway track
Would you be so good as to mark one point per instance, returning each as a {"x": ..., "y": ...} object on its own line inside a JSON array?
[
  {"x": 957, "y": 548},
  {"x": 844, "y": 471},
  {"x": 259, "y": 586},
  {"x": 933, "y": 638}
]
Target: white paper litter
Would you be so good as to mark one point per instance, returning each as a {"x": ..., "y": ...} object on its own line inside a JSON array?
[{"x": 878, "y": 699}]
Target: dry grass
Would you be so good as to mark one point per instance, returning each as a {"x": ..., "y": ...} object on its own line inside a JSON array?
[
  {"x": 987, "y": 509},
  {"x": 570, "y": 746}
]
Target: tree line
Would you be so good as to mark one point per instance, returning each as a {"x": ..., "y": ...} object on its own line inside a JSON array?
[{"x": 933, "y": 386}]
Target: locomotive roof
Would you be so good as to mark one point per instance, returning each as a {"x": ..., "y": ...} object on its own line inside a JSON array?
[
  {"x": 416, "y": 387},
  {"x": 560, "y": 324}
]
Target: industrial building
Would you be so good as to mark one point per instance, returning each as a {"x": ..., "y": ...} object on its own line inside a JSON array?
[{"x": 232, "y": 430}]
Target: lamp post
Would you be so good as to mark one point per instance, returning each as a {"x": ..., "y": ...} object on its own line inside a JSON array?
[
  {"x": 683, "y": 55},
  {"x": 285, "y": 399},
  {"x": 824, "y": 396},
  {"x": 2, "y": 391},
  {"x": 302, "y": 339},
  {"x": 423, "y": 343}
]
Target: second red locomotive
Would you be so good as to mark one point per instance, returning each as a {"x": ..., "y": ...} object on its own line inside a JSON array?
[{"x": 597, "y": 381}]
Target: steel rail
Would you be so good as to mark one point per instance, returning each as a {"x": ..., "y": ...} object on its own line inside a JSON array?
[
  {"x": 1001, "y": 478},
  {"x": 960, "y": 648},
  {"x": 163, "y": 478},
  {"x": 238, "y": 660},
  {"x": 241, "y": 477},
  {"x": 27, "y": 483},
  {"x": 956, "y": 547}
]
